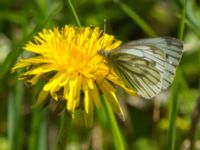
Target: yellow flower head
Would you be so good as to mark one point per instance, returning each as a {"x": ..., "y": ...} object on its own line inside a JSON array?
[{"x": 76, "y": 74}]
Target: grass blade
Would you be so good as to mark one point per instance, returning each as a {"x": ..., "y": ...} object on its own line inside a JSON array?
[
  {"x": 174, "y": 91},
  {"x": 15, "y": 118},
  {"x": 136, "y": 18}
]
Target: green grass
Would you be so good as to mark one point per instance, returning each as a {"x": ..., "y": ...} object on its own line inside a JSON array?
[
  {"x": 175, "y": 89},
  {"x": 24, "y": 128}
]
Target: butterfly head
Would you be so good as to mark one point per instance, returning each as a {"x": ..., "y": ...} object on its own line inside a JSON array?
[{"x": 103, "y": 53}]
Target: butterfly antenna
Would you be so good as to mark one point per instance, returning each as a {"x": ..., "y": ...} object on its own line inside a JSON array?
[
  {"x": 104, "y": 30},
  {"x": 104, "y": 26}
]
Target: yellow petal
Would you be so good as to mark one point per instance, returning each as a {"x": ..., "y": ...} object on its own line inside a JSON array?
[
  {"x": 112, "y": 99},
  {"x": 78, "y": 90},
  {"x": 66, "y": 92},
  {"x": 90, "y": 83},
  {"x": 96, "y": 96},
  {"x": 41, "y": 99},
  {"x": 121, "y": 84},
  {"x": 88, "y": 109},
  {"x": 36, "y": 60},
  {"x": 71, "y": 96},
  {"x": 74, "y": 93},
  {"x": 53, "y": 82},
  {"x": 106, "y": 85},
  {"x": 87, "y": 101},
  {"x": 39, "y": 70},
  {"x": 35, "y": 79},
  {"x": 19, "y": 65},
  {"x": 65, "y": 79}
]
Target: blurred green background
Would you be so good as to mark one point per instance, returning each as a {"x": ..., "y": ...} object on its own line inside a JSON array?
[{"x": 147, "y": 122}]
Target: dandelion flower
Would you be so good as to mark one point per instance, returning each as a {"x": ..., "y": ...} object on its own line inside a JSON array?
[{"x": 68, "y": 58}]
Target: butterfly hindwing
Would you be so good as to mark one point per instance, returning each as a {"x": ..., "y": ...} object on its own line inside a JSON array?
[
  {"x": 141, "y": 76},
  {"x": 139, "y": 68}
]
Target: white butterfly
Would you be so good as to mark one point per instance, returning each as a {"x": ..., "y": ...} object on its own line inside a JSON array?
[{"x": 146, "y": 65}]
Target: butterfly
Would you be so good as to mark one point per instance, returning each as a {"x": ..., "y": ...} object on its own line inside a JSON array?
[{"x": 146, "y": 66}]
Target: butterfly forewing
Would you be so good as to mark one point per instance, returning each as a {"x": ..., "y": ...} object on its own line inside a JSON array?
[
  {"x": 147, "y": 65},
  {"x": 172, "y": 49}
]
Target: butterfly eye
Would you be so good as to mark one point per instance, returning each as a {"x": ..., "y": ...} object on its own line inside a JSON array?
[{"x": 103, "y": 53}]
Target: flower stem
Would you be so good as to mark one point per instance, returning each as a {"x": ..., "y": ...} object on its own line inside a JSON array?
[
  {"x": 74, "y": 13},
  {"x": 61, "y": 141},
  {"x": 117, "y": 137}
]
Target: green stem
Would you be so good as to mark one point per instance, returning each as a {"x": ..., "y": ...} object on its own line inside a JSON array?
[
  {"x": 61, "y": 141},
  {"x": 173, "y": 111},
  {"x": 174, "y": 94},
  {"x": 182, "y": 23},
  {"x": 15, "y": 119},
  {"x": 117, "y": 137},
  {"x": 136, "y": 18},
  {"x": 74, "y": 13}
]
